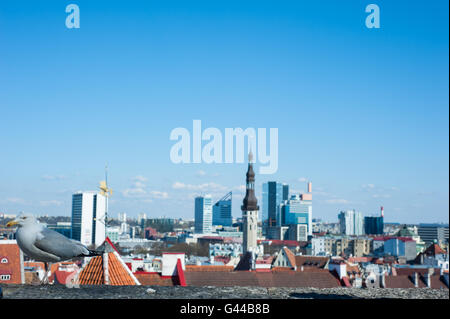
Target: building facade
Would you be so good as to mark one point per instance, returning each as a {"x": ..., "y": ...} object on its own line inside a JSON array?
[
  {"x": 11, "y": 263},
  {"x": 430, "y": 233},
  {"x": 272, "y": 196},
  {"x": 222, "y": 211},
  {"x": 298, "y": 211},
  {"x": 88, "y": 218},
  {"x": 351, "y": 223},
  {"x": 285, "y": 192},
  {"x": 373, "y": 225},
  {"x": 400, "y": 247},
  {"x": 203, "y": 214}
]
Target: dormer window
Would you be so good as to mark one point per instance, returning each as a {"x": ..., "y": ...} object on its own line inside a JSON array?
[
  {"x": 5, "y": 277},
  {"x": 4, "y": 260}
]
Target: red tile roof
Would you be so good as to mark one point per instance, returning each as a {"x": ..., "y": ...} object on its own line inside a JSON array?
[
  {"x": 399, "y": 282},
  {"x": 434, "y": 250},
  {"x": 360, "y": 259},
  {"x": 208, "y": 268},
  {"x": 290, "y": 256},
  {"x": 35, "y": 264},
  {"x": 276, "y": 242},
  {"x": 404, "y": 271},
  {"x": 311, "y": 261},
  {"x": 385, "y": 238},
  {"x": 405, "y": 281},
  {"x": 10, "y": 251},
  {"x": 155, "y": 279},
  {"x": 263, "y": 279},
  {"x": 94, "y": 272},
  {"x": 61, "y": 275}
]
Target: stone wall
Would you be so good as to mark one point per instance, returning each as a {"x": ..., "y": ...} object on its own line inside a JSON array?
[{"x": 158, "y": 292}]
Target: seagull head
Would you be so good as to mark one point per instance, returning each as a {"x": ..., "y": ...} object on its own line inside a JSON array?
[{"x": 22, "y": 220}]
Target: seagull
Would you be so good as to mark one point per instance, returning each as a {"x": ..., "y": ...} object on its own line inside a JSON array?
[{"x": 46, "y": 245}]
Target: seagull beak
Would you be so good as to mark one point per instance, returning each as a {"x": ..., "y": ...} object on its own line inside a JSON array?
[{"x": 12, "y": 223}]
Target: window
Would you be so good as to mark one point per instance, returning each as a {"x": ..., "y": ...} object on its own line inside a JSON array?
[
  {"x": 4, "y": 260},
  {"x": 5, "y": 277}
]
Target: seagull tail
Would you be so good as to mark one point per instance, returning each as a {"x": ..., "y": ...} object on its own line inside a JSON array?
[{"x": 92, "y": 253}]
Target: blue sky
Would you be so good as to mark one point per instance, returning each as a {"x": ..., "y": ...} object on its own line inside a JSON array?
[{"x": 362, "y": 113}]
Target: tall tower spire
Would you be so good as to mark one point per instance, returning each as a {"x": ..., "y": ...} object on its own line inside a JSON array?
[{"x": 250, "y": 210}]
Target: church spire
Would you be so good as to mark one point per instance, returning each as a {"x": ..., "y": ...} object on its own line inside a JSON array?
[{"x": 250, "y": 202}]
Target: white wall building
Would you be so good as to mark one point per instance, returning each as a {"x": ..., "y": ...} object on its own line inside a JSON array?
[
  {"x": 88, "y": 218},
  {"x": 169, "y": 263},
  {"x": 122, "y": 217},
  {"x": 351, "y": 223}
]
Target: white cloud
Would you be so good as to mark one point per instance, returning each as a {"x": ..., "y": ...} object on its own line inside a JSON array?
[
  {"x": 381, "y": 196},
  {"x": 200, "y": 187},
  {"x": 368, "y": 186},
  {"x": 53, "y": 177},
  {"x": 140, "y": 178},
  {"x": 159, "y": 195},
  {"x": 302, "y": 179},
  {"x": 139, "y": 190},
  {"x": 134, "y": 192},
  {"x": 50, "y": 203},
  {"x": 200, "y": 173},
  {"x": 337, "y": 201},
  {"x": 15, "y": 200},
  {"x": 240, "y": 188}
]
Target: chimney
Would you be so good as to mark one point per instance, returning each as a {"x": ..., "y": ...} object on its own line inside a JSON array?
[
  {"x": 309, "y": 187},
  {"x": 416, "y": 280},
  {"x": 428, "y": 280},
  {"x": 383, "y": 280},
  {"x": 105, "y": 268}
]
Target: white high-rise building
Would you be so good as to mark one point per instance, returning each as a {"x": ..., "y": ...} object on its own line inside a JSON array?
[
  {"x": 122, "y": 217},
  {"x": 351, "y": 222},
  {"x": 141, "y": 217},
  {"x": 88, "y": 218},
  {"x": 203, "y": 214}
]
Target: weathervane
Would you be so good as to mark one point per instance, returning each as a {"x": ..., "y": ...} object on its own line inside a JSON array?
[{"x": 105, "y": 191}]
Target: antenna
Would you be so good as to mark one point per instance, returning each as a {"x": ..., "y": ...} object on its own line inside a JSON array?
[{"x": 105, "y": 191}]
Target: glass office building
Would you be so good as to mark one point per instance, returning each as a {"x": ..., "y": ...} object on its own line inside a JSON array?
[
  {"x": 297, "y": 211},
  {"x": 203, "y": 214},
  {"x": 272, "y": 193},
  {"x": 222, "y": 211},
  {"x": 373, "y": 225}
]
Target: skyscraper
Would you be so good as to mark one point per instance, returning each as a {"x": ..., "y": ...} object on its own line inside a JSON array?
[
  {"x": 351, "y": 222},
  {"x": 222, "y": 211},
  {"x": 203, "y": 214},
  {"x": 272, "y": 197},
  {"x": 250, "y": 211},
  {"x": 373, "y": 225},
  {"x": 122, "y": 217},
  {"x": 298, "y": 211},
  {"x": 88, "y": 214},
  {"x": 285, "y": 192}
]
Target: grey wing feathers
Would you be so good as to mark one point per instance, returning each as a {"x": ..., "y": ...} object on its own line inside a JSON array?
[{"x": 59, "y": 245}]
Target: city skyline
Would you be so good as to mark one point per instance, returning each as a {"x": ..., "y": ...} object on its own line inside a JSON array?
[{"x": 361, "y": 113}]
